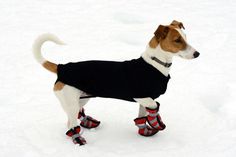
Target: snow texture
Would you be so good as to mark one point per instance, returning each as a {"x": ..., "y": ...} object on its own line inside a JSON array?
[{"x": 198, "y": 107}]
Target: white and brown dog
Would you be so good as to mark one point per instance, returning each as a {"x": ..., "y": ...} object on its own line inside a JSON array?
[{"x": 140, "y": 80}]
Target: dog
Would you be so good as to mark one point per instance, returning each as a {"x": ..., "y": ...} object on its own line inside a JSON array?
[{"x": 140, "y": 80}]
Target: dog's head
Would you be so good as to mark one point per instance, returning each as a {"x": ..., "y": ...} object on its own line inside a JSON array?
[{"x": 173, "y": 41}]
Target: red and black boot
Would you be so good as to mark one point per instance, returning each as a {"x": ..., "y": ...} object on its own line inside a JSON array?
[
  {"x": 154, "y": 118},
  {"x": 144, "y": 129},
  {"x": 87, "y": 121},
  {"x": 75, "y": 134}
]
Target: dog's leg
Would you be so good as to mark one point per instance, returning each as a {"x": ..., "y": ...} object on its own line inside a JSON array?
[
  {"x": 146, "y": 102},
  {"x": 148, "y": 112},
  {"x": 86, "y": 121},
  {"x": 69, "y": 98},
  {"x": 153, "y": 116},
  {"x": 140, "y": 122},
  {"x": 83, "y": 102},
  {"x": 143, "y": 103},
  {"x": 142, "y": 111}
]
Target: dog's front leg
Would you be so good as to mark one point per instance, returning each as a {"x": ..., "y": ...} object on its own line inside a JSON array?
[
  {"x": 142, "y": 111},
  {"x": 148, "y": 111},
  {"x": 146, "y": 102}
]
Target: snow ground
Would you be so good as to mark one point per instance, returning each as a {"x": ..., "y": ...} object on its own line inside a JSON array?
[{"x": 198, "y": 108}]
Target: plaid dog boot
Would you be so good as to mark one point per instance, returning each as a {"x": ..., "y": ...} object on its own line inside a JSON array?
[
  {"x": 144, "y": 129},
  {"x": 154, "y": 118},
  {"x": 74, "y": 133},
  {"x": 87, "y": 121}
]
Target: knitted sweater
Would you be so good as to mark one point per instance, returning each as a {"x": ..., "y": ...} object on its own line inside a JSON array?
[{"x": 121, "y": 80}]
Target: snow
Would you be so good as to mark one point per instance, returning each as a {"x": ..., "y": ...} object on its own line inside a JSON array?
[{"x": 198, "y": 107}]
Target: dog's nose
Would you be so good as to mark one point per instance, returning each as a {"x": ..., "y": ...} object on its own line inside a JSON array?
[{"x": 196, "y": 54}]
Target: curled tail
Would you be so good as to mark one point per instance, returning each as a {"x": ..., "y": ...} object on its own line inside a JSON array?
[{"x": 37, "y": 51}]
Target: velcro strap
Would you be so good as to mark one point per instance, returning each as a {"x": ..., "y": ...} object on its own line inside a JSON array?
[
  {"x": 75, "y": 136},
  {"x": 153, "y": 121},
  {"x": 156, "y": 126},
  {"x": 77, "y": 139},
  {"x": 153, "y": 114},
  {"x": 83, "y": 118},
  {"x": 141, "y": 126}
]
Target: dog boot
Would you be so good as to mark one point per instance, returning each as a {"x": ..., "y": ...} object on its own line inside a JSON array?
[
  {"x": 87, "y": 121},
  {"x": 74, "y": 133},
  {"x": 154, "y": 118},
  {"x": 144, "y": 129}
]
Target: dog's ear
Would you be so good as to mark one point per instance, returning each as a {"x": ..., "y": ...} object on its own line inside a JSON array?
[
  {"x": 161, "y": 32},
  {"x": 177, "y": 24}
]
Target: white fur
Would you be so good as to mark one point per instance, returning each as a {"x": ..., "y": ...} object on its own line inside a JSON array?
[
  {"x": 189, "y": 51},
  {"x": 142, "y": 111},
  {"x": 159, "y": 53},
  {"x": 146, "y": 102},
  {"x": 69, "y": 98},
  {"x": 38, "y": 44},
  {"x": 143, "y": 103},
  {"x": 182, "y": 34}
]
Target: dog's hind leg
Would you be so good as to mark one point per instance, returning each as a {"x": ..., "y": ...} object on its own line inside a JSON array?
[
  {"x": 69, "y": 99},
  {"x": 86, "y": 121},
  {"x": 83, "y": 102}
]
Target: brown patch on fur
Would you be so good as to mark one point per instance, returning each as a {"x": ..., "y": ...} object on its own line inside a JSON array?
[
  {"x": 153, "y": 42},
  {"x": 58, "y": 86},
  {"x": 161, "y": 32},
  {"x": 173, "y": 42},
  {"x": 169, "y": 38},
  {"x": 50, "y": 66}
]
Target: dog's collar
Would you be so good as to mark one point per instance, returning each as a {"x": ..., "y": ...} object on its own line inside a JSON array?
[{"x": 167, "y": 65}]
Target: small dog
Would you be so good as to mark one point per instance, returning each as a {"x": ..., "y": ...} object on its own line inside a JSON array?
[{"x": 140, "y": 80}]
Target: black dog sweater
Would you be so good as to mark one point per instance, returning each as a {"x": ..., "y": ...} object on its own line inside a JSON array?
[{"x": 121, "y": 80}]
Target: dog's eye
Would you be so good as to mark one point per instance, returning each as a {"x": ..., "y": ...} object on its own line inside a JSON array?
[{"x": 178, "y": 40}]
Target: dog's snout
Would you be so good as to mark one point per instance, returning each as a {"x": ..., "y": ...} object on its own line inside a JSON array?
[{"x": 196, "y": 54}]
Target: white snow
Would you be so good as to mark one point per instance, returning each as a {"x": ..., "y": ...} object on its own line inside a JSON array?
[{"x": 198, "y": 107}]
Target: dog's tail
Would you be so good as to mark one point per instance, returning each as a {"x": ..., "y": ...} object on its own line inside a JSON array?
[{"x": 37, "y": 51}]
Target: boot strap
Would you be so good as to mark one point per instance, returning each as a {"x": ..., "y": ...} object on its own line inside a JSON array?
[
  {"x": 153, "y": 114},
  {"x": 141, "y": 126}
]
